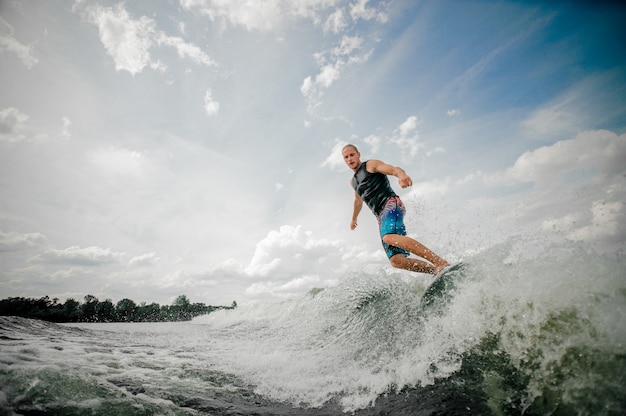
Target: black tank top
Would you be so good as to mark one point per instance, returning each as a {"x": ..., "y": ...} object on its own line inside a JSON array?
[{"x": 373, "y": 188}]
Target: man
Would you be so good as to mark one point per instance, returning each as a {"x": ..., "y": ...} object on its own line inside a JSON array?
[{"x": 371, "y": 185}]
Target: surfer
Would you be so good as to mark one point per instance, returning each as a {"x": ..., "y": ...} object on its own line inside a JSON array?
[{"x": 371, "y": 185}]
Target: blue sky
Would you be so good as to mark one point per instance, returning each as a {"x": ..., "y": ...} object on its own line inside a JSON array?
[{"x": 149, "y": 150}]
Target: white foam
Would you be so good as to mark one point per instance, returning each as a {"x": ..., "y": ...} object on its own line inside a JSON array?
[{"x": 354, "y": 341}]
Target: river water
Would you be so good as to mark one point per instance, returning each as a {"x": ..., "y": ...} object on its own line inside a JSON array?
[{"x": 542, "y": 335}]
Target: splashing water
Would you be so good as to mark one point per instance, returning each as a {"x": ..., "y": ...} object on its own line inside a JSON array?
[
  {"x": 522, "y": 332},
  {"x": 549, "y": 324}
]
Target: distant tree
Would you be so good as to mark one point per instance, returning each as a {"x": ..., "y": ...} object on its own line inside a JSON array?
[
  {"x": 182, "y": 302},
  {"x": 126, "y": 310},
  {"x": 90, "y": 308},
  {"x": 71, "y": 310},
  {"x": 14, "y": 306},
  {"x": 53, "y": 311},
  {"x": 149, "y": 313},
  {"x": 181, "y": 309},
  {"x": 105, "y": 311}
]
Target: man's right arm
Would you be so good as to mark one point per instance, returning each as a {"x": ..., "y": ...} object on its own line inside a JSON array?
[{"x": 358, "y": 204}]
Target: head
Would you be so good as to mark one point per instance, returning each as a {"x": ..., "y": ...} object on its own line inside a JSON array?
[{"x": 351, "y": 156}]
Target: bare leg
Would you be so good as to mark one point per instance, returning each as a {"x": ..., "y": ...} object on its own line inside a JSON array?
[
  {"x": 412, "y": 264},
  {"x": 416, "y": 248}
]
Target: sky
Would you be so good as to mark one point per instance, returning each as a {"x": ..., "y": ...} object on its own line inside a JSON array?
[{"x": 153, "y": 149}]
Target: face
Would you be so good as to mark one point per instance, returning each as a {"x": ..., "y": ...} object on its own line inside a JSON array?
[{"x": 352, "y": 158}]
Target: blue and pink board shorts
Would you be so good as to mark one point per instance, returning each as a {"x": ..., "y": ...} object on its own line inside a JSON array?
[{"x": 391, "y": 221}]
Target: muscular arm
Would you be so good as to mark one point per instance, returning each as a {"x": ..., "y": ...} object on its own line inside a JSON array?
[{"x": 404, "y": 180}]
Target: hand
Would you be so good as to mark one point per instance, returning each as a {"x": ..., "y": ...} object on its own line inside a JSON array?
[
  {"x": 353, "y": 225},
  {"x": 405, "y": 181}
]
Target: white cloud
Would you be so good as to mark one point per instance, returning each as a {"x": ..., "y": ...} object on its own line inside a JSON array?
[
  {"x": 453, "y": 112},
  {"x": 335, "y": 22},
  {"x": 409, "y": 125},
  {"x": 307, "y": 86},
  {"x": 328, "y": 74},
  {"x": 294, "y": 286},
  {"x": 608, "y": 221},
  {"x": 435, "y": 151},
  {"x": 592, "y": 101},
  {"x": 553, "y": 119},
  {"x": 13, "y": 125},
  {"x": 264, "y": 15},
  {"x": 578, "y": 194},
  {"x": 595, "y": 151},
  {"x": 186, "y": 50},
  {"x": 430, "y": 189},
  {"x": 359, "y": 10},
  {"x": 118, "y": 161},
  {"x": 148, "y": 259},
  {"x": 274, "y": 14},
  {"x": 211, "y": 106},
  {"x": 331, "y": 64},
  {"x": 88, "y": 256},
  {"x": 470, "y": 177},
  {"x": 128, "y": 41},
  {"x": 17, "y": 241},
  {"x": 71, "y": 274},
  {"x": 334, "y": 160},
  {"x": 65, "y": 132},
  {"x": 9, "y": 44},
  {"x": 605, "y": 221},
  {"x": 373, "y": 142},
  {"x": 348, "y": 45},
  {"x": 292, "y": 251},
  {"x": 407, "y": 138},
  {"x": 15, "y": 128}
]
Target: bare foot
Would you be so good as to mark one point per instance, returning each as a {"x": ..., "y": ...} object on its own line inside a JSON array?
[{"x": 439, "y": 268}]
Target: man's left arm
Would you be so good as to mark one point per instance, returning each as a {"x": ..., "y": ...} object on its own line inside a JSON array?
[{"x": 403, "y": 179}]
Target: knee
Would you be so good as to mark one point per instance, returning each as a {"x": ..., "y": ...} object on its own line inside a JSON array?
[{"x": 397, "y": 261}]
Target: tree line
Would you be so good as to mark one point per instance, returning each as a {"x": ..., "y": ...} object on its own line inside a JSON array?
[{"x": 94, "y": 310}]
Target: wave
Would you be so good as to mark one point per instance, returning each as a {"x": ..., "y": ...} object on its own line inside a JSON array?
[
  {"x": 524, "y": 330},
  {"x": 532, "y": 333}
]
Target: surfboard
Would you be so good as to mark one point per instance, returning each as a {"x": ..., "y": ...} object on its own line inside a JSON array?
[{"x": 442, "y": 283}]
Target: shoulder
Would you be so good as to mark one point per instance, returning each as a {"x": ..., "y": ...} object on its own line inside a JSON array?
[{"x": 372, "y": 165}]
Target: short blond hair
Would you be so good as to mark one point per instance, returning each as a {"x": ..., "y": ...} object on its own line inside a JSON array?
[{"x": 349, "y": 145}]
